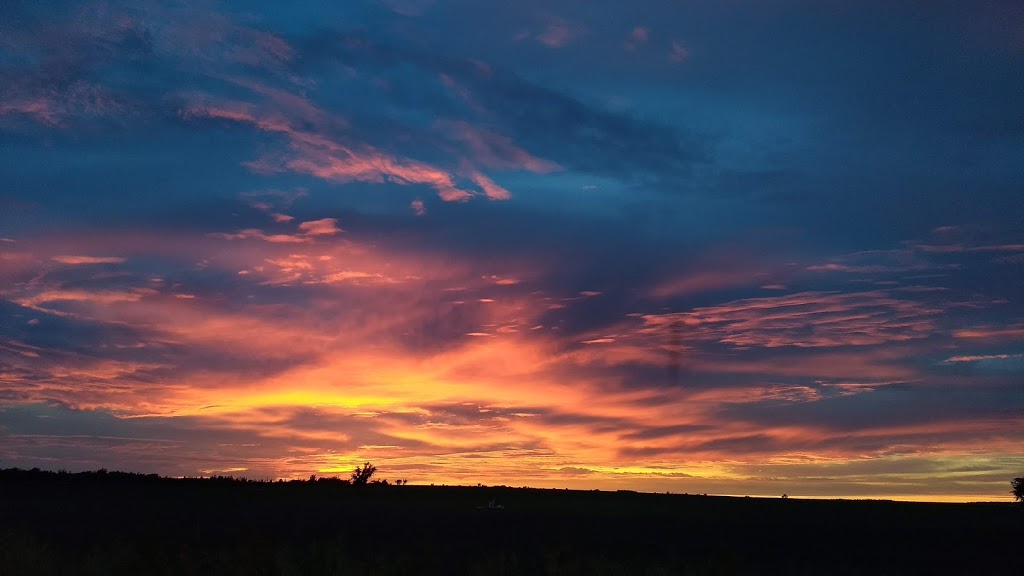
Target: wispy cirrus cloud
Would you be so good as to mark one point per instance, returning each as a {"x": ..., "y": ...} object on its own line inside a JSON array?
[
  {"x": 982, "y": 358},
  {"x": 803, "y": 320},
  {"x": 327, "y": 159},
  {"x": 80, "y": 260}
]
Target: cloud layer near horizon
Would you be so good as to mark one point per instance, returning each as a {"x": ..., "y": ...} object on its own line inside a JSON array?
[{"x": 538, "y": 245}]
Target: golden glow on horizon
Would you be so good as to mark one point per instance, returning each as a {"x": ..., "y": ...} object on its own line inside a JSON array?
[{"x": 359, "y": 373}]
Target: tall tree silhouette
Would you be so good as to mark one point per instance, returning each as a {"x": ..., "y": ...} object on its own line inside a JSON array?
[
  {"x": 1018, "y": 488},
  {"x": 363, "y": 475}
]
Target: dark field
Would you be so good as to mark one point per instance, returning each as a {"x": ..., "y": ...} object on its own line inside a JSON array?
[{"x": 130, "y": 524}]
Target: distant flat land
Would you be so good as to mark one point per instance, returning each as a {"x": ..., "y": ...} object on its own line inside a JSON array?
[{"x": 133, "y": 524}]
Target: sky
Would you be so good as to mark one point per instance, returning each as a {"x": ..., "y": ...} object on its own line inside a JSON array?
[{"x": 732, "y": 247}]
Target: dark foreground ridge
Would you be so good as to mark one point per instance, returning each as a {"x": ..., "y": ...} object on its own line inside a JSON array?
[{"x": 118, "y": 523}]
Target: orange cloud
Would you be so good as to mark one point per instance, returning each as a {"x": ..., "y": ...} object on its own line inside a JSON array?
[
  {"x": 92, "y": 297},
  {"x": 77, "y": 260},
  {"x": 372, "y": 357},
  {"x": 1011, "y": 332}
]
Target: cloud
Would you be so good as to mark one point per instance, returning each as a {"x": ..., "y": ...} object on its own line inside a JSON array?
[
  {"x": 561, "y": 131},
  {"x": 992, "y": 332},
  {"x": 79, "y": 260},
  {"x": 322, "y": 227},
  {"x": 678, "y": 52},
  {"x": 418, "y": 208},
  {"x": 85, "y": 296},
  {"x": 637, "y": 37},
  {"x": 560, "y": 34},
  {"x": 491, "y": 190},
  {"x": 960, "y": 248},
  {"x": 500, "y": 281},
  {"x": 257, "y": 234},
  {"x": 43, "y": 110},
  {"x": 497, "y": 151},
  {"x": 327, "y": 159},
  {"x": 803, "y": 320},
  {"x": 982, "y": 358}
]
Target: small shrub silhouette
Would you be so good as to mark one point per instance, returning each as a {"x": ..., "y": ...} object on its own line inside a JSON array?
[{"x": 363, "y": 475}]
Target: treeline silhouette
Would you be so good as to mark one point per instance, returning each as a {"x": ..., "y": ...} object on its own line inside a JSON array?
[
  {"x": 113, "y": 523},
  {"x": 35, "y": 476}
]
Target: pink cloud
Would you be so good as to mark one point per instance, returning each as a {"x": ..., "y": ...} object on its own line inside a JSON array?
[
  {"x": 349, "y": 275},
  {"x": 43, "y": 110},
  {"x": 502, "y": 281},
  {"x": 497, "y": 151},
  {"x": 492, "y": 190},
  {"x": 678, "y": 52},
  {"x": 418, "y": 208},
  {"x": 329, "y": 160},
  {"x": 452, "y": 194},
  {"x": 559, "y": 34},
  {"x": 257, "y": 234},
  {"x": 639, "y": 35},
  {"x": 322, "y": 227},
  {"x": 982, "y": 358},
  {"x": 556, "y": 36},
  {"x": 804, "y": 320},
  {"x": 80, "y": 100},
  {"x": 345, "y": 165}
]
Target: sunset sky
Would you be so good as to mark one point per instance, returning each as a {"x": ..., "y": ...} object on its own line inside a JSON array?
[{"x": 729, "y": 247}]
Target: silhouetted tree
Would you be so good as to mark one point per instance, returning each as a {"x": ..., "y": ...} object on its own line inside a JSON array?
[
  {"x": 1018, "y": 489},
  {"x": 363, "y": 475}
]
